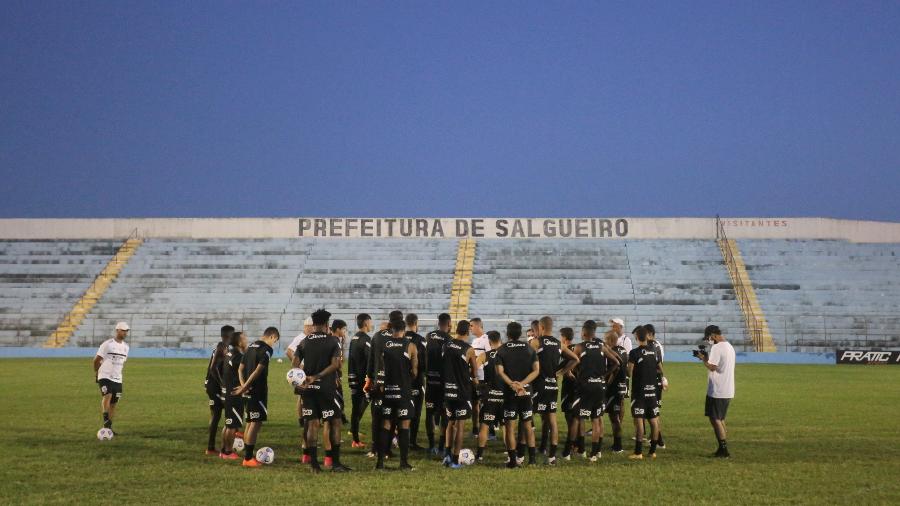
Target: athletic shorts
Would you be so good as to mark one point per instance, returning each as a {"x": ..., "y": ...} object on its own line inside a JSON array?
[
  {"x": 216, "y": 395},
  {"x": 257, "y": 407},
  {"x": 321, "y": 404},
  {"x": 613, "y": 403},
  {"x": 546, "y": 395},
  {"x": 591, "y": 398},
  {"x": 398, "y": 409},
  {"x": 434, "y": 396},
  {"x": 458, "y": 410},
  {"x": 234, "y": 411},
  {"x": 518, "y": 407},
  {"x": 569, "y": 401},
  {"x": 716, "y": 408},
  {"x": 645, "y": 408},
  {"x": 108, "y": 386},
  {"x": 491, "y": 407}
]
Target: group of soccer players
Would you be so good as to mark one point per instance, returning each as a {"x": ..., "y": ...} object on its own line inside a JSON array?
[{"x": 398, "y": 372}]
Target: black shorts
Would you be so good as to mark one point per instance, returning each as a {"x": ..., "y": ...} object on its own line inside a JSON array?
[
  {"x": 568, "y": 403},
  {"x": 591, "y": 400},
  {"x": 491, "y": 407},
  {"x": 234, "y": 411},
  {"x": 717, "y": 408},
  {"x": 546, "y": 395},
  {"x": 613, "y": 403},
  {"x": 517, "y": 407},
  {"x": 398, "y": 409},
  {"x": 457, "y": 409},
  {"x": 319, "y": 404},
  {"x": 257, "y": 408},
  {"x": 110, "y": 387},
  {"x": 645, "y": 408},
  {"x": 216, "y": 395},
  {"x": 434, "y": 396}
]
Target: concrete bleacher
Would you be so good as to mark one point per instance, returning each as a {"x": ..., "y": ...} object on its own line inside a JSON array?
[
  {"x": 827, "y": 293},
  {"x": 41, "y": 280},
  {"x": 679, "y": 286}
]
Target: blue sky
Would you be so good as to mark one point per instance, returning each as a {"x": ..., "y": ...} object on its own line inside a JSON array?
[{"x": 121, "y": 109}]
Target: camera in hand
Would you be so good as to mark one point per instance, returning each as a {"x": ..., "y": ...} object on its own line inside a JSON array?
[{"x": 700, "y": 352}]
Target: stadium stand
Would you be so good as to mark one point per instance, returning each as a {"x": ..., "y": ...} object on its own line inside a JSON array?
[
  {"x": 680, "y": 286},
  {"x": 824, "y": 293},
  {"x": 39, "y": 282}
]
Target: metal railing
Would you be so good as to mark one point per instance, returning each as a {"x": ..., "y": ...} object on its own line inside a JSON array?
[{"x": 752, "y": 320}]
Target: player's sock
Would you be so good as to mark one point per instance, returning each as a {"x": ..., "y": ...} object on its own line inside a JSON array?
[
  {"x": 723, "y": 445},
  {"x": 479, "y": 452},
  {"x": 511, "y": 454},
  {"x": 404, "y": 445},
  {"x": 552, "y": 453},
  {"x": 659, "y": 440},
  {"x": 335, "y": 455},
  {"x": 520, "y": 450},
  {"x": 580, "y": 444},
  {"x": 600, "y": 442},
  {"x": 454, "y": 458},
  {"x": 532, "y": 453},
  {"x": 595, "y": 448},
  {"x": 385, "y": 444},
  {"x": 314, "y": 457},
  {"x": 106, "y": 421},
  {"x": 248, "y": 452},
  {"x": 638, "y": 446},
  {"x": 567, "y": 449},
  {"x": 652, "y": 447},
  {"x": 617, "y": 443}
]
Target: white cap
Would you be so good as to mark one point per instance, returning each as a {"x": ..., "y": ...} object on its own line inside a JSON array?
[
  {"x": 122, "y": 326},
  {"x": 308, "y": 321},
  {"x": 618, "y": 320}
]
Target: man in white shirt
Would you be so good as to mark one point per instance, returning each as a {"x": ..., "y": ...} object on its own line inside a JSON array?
[
  {"x": 481, "y": 344},
  {"x": 108, "y": 365},
  {"x": 624, "y": 340},
  {"x": 720, "y": 384},
  {"x": 292, "y": 347}
]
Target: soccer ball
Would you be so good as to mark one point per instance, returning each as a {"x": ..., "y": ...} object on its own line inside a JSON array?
[
  {"x": 265, "y": 455},
  {"x": 238, "y": 444},
  {"x": 466, "y": 457},
  {"x": 104, "y": 434},
  {"x": 296, "y": 377}
]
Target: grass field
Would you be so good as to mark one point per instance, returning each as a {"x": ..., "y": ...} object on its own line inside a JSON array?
[{"x": 798, "y": 434}]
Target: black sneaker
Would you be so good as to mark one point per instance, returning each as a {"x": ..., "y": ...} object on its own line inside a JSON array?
[
  {"x": 315, "y": 469},
  {"x": 406, "y": 467},
  {"x": 340, "y": 468},
  {"x": 379, "y": 466}
]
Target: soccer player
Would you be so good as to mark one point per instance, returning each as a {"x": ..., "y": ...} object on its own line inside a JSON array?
[
  {"x": 517, "y": 366},
  {"x": 598, "y": 366},
  {"x": 254, "y": 375},
  {"x": 234, "y": 404},
  {"x": 569, "y": 402},
  {"x": 643, "y": 365},
  {"x": 434, "y": 388},
  {"x": 616, "y": 391},
  {"x": 320, "y": 354},
  {"x": 214, "y": 386},
  {"x": 418, "y": 381},
  {"x": 546, "y": 392},
  {"x": 459, "y": 379},
  {"x": 400, "y": 363},
  {"x": 661, "y": 382},
  {"x": 492, "y": 398},
  {"x": 372, "y": 369},
  {"x": 481, "y": 345},
  {"x": 360, "y": 348},
  {"x": 338, "y": 329},
  {"x": 108, "y": 365},
  {"x": 720, "y": 385}
]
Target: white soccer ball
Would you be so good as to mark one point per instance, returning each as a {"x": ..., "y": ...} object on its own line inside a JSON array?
[
  {"x": 265, "y": 455},
  {"x": 105, "y": 434},
  {"x": 466, "y": 457},
  {"x": 238, "y": 444},
  {"x": 280, "y": 361},
  {"x": 296, "y": 377}
]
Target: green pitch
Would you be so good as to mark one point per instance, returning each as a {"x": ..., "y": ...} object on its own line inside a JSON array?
[{"x": 797, "y": 434}]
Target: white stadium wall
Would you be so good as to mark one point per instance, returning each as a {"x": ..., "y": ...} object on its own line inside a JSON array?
[{"x": 452, "y": 228}]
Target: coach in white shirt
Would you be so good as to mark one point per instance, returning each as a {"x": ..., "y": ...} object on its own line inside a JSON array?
[
  {"x": 292, "y": 347},
  {"x": 624, "y": 340},
  {"x": 720, "y": 384},
  {"x": 481, "y": 344},
  {"x": 108, "y": 365}
]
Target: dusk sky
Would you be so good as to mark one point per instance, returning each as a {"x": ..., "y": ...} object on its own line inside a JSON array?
[{"x": 193, "y": 109}]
